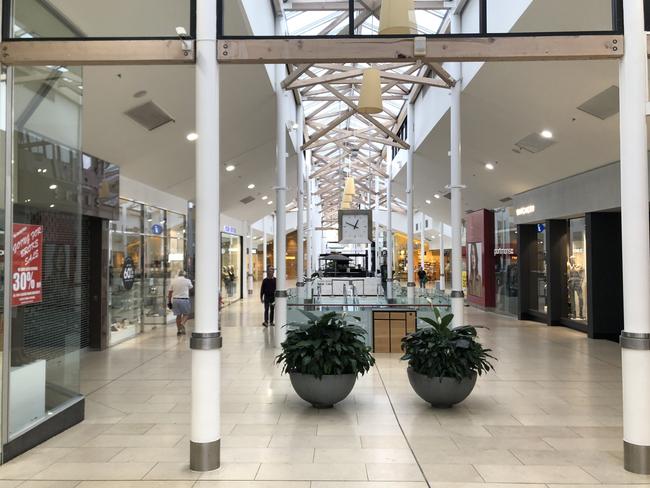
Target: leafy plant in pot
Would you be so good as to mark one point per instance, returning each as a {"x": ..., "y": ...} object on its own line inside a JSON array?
[
  {"x": 324, "y": 356},
  {"x": 444, "y": 362}
]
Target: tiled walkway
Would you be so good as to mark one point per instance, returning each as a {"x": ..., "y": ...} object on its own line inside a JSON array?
[{"x": 551, "y": 414}]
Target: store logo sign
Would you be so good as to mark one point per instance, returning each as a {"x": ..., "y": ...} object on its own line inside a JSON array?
[
  {"x": 508, "y": 251},
  {"x": 525, "y": 210},
  {"x": 156, "y": 229},
  {"x": 229, "y": 229}
]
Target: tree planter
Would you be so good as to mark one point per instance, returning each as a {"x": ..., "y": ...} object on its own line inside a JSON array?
[
  {"x": 323, "y": 392},
  {"x": 441, "y": 392}
]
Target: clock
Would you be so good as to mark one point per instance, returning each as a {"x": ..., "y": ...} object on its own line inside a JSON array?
[{"x": 355, "y": 226}]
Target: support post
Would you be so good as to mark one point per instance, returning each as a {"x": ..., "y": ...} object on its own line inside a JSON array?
[
  {"x": 422, "y": 235},
  {"x": 251, "y": 277},
  {"x": 389, "y": 224},
  {"x": 300, "y": 197},
  {"x": 281, "y": 200},
  {"x": 410, "y": 221},
  {"x": 309, "y": 217},
  {"x": 443, "y": 278},
  {"x": 457, "y": 295},
  {"x": 635, "y": 338},
  {"x": 205, "y": 342},
  {"x": 264, "y": 251},
  {"x": 377, "y": 229},
  {"x": 275, "y": 240}
]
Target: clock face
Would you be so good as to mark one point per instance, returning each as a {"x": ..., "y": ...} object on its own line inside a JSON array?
[{"x": 355, "y": 228}]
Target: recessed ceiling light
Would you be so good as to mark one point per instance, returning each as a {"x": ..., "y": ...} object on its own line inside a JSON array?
[
  {"x": 437, "y": 195},
  {"x": 251, "y": 186},
  {"x": 428, "y": 202},
  {"x": 270, "y": 202},
  {"x": 546, "y": 134},
  {"x": 265, "y": 197},
  {"x": 53, "y": 187},
  {"x": 28, "y": 200},
  {"x": 489, "y": 166},
  {"x": 51, "y": 205},
  {"x": 230, "y": 167},
  {"x": 39, "y": 170},
  {"x": 45, "y": 171},
  {"x": 192, "y": 136}
]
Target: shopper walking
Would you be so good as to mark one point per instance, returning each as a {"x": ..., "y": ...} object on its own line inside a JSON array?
[
  {"x": 267, "y": 296},
  {"x": 178, "y": 300},
  {"x": 422, "y": 275}
]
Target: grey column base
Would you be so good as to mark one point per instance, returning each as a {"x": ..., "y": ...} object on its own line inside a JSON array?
[
  {"x": 636, "y": 458},
  {"x": 411, "y": 284},
  {"x": 457, "y": 294},
  {"x": 300, "y": 284},
  {"x": 205, "y": 456},
  {"x": 635, "y": 340}
]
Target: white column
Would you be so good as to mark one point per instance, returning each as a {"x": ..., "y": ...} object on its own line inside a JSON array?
[
  {"x": 205, "y": 343},
  {"x": 264, "y": 252},
  {"x": 389, "y": 224},
  {"x": 300, "y": 196},
  {"x": 251, "y": 280},
  {"x": 281, "y": 200},
  {"x": 422, "y": 253},
  {"x": 635, "y": 339},
  {"x": 310, "y": 223},
  {"x": 442, "y": 258},
  {"x": 246, "y": 254},
  {"x": 377, "y": 229},
  {"x": 410, "y": 221},
  {"x": 275, "y": 241},
  {"x": 457, "y": 296}
]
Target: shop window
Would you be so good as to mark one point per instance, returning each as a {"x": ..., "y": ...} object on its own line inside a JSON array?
[
  {"x": 231, "y": 261},
  {"x": 577, "y": 271},
  {"x": 538, "y": 273},
  {"x": 506, "y": 261}
]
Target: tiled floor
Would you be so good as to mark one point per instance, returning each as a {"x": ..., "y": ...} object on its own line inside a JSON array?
[{"x": 550, "y": 415}]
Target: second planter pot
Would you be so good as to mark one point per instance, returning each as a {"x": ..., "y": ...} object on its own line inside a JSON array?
[
  {"x": 323, "y": 392},
  {"x": 441, "y": 392}
]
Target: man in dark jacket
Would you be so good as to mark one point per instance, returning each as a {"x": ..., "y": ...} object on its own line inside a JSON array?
[{"x": 267, "y": 296}]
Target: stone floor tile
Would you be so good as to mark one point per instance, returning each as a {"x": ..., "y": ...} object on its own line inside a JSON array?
[
  {"x": 312, "y": 472},
  {"x": 95, "y": 471},
  {"x": 534, "y": 474}
]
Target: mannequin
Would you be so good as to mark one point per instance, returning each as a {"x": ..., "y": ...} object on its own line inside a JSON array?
[{"x": 576, "y": 274}]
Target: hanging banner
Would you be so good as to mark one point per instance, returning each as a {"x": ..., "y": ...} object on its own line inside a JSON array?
[{"x": 27, "y": 264}]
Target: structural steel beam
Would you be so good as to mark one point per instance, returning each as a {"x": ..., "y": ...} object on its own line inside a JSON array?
[
  {"x": 85, "y": 52},
  {"x": 384, "y": 50}
]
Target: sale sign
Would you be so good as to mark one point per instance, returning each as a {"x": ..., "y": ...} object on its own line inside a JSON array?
[{"x": 27, "y": 264}]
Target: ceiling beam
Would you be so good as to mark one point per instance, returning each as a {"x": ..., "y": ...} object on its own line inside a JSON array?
[{"x": 384, "y": 50}]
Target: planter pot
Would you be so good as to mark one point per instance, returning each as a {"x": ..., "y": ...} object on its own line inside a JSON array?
[
  {"x": 441, "y": 392},
  {"x": 323, "y": 392}
]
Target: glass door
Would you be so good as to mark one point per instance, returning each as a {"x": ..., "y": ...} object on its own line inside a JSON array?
[
  {"x": 155, "y": 252},
  {"x": 538, "y": 273},
  {"x": 230, "y": 268},
  {"x": 577, "y": 271}
]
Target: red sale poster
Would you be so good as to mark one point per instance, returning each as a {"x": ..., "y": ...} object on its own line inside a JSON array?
[{"x": 27, "y": 264}]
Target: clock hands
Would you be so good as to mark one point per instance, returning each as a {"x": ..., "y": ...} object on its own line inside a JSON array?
[{"x": 354, "y": 226}]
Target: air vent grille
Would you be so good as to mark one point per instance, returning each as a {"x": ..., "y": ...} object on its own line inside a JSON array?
[
  {"x": 149, "y": 115},
  {"x": 247, "y": 200},
  {"x": 506, "y": 200},
  {"x": 534, "y": 143},
  {"x": 603, "y": 105}
]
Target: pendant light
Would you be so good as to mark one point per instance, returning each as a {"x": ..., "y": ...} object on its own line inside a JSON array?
[
  {"x": 397, "y": 17},
  {"x": 349, "y": 187},
  {"x": 370, "y": 98}
]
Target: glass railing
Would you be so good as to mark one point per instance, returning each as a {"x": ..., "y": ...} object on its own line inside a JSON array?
[
  {"x": 98, "y": 19},
  {"x": 355, "y": 18}
]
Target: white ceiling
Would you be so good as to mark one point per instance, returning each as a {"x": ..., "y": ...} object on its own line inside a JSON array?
[{"x": 504, "y": 103}]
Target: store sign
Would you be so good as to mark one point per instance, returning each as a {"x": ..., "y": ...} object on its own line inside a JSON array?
[
  {"x": 128, "y": 273},
  {"x": 156, "y": 229},
  {"x": 507, "y": 251},
  {"x": 27, "y": 265},
  {"x": 229, "y": 229},
  {"x": 530, "y": 209}
]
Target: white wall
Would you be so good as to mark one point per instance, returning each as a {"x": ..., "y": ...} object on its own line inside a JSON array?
[{"x": 135, "y": 190}]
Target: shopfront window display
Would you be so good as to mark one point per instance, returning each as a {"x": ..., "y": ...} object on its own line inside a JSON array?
[
  {"x": 538, "y": 273},
  {"x": 577, "y": 271},
  {"x": 150, "y": 242},
  {"x": 231, "y": 264},
  {"x": 506, "y": 261},
  {"x": 475, "y": 282}
]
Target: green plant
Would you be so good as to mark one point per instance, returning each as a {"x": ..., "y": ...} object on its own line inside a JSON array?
[
  {"x": 325, "y": 345},
  {"x": 440, "y": 351}
]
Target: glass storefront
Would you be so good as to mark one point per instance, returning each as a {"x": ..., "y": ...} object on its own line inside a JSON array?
[
  {"x": 538, "y": 274},
  {"x": 50, "y": 289},
  {"x": 577, "y": 271},
  {"x": 231, "y": 268},
  {"x": 506, "y": 261},
  {"x": 147, "y": 251}
]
